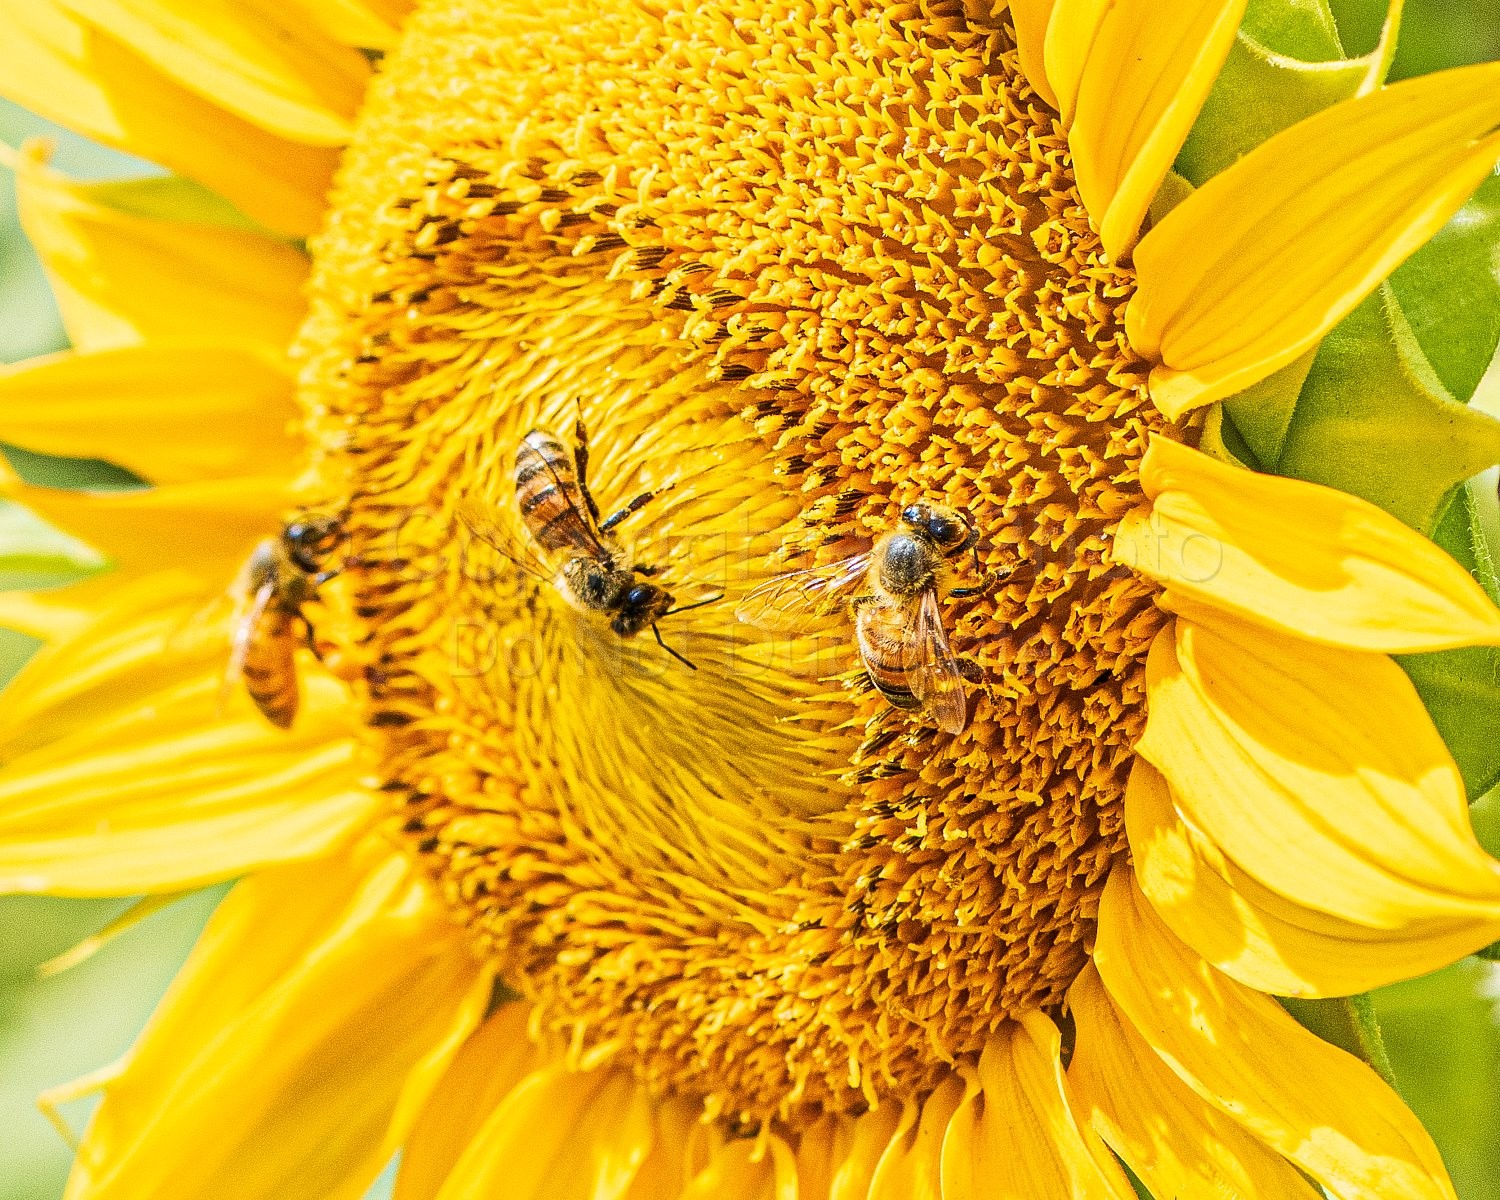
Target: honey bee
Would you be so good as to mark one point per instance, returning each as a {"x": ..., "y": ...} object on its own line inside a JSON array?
[
  {"x": 282, "y": 574},
  {"x": 577, "y": 554},
  {"x": 893, "y": 591}
]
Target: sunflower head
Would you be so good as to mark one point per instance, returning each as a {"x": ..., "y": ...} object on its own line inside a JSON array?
[{"x": 864, "y": 288}]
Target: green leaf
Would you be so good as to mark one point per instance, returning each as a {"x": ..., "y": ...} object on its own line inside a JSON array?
[
  {"x": 1262, "y": 414},
  {"x": 1286, "y": 64},
  {"x": 35, "y": 555},
  {"x": 55, "y": 1029},
  {"x": 1348, "y": 1022},
  {"x": 1450, "y": 292},
  {"x": 171, "y": 198},
  {"x": 1444, "y": 1047},
  {"x": 1304, "y": 29},
  {"x": 1374, "y": 420},
  {"x": 1461, "y": 688}
]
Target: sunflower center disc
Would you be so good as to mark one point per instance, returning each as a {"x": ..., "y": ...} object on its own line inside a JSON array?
[{"x": 798, "y": 263}]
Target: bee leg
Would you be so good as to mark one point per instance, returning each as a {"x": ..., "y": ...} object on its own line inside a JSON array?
[
  {"x": 970, "y": 670},
  {"x": 634, "y": 506},
  {"x": 991, "y": 578},
  {"x": 581, "y": 461},
  {"x": 669, "y": 650},
  {"x": 642, "y": 569},
  {"x": 311, "y": 638}
]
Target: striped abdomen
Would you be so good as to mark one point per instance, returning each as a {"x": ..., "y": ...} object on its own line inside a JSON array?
[
  {"x": 882, "y": 628},
  {"x": 270, "y": 666},
  {"x": 547, "y": 490}
]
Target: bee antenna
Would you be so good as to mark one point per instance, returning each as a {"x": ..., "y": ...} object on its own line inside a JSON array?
[
  {"x": 669, "y": 650},
  {"x": 682, "y": 608}
]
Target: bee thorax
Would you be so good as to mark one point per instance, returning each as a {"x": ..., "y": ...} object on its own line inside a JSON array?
[{"x": 906, "y": 566}]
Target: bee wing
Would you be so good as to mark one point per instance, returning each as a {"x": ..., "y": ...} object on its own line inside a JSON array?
[
  {"x": 790, "y": 601},
  {"x": 486, "y": 523},
  {"x": 251, "y": 609},
  {"x": 931, "y": 669}
]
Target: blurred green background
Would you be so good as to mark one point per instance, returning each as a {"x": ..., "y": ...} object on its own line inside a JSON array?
[{"x": 1442, "y": 1032}]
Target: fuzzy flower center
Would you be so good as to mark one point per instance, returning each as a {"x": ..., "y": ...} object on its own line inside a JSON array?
[{"x": 797, "y": 264}]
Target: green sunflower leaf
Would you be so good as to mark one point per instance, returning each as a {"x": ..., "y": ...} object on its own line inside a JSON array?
[
  {"x": 1348, "y": 1022},
  {"x": 1304, "y": 29},
  {"x": 1374, "y": 420},
  {"x": 171, "y": 198},
  {"x": 35, "y": 555},
  {"x": 1450, "y": 292},
  {"x": 1461, "y": 688},
  {"x": 58, "y": 1027},
  {"x": 1286, "y": 63},
  {"x": 1444, "y": 1046}
]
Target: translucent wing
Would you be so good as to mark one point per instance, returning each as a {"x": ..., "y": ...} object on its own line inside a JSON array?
[
  {"x": 507, "y": 538},
  {"x": 931, "y": 670},
  {"x": 788, "y": 602},
  {"x": 252, "y": 609}
]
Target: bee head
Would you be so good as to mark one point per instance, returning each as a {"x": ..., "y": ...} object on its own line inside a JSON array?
[
  {"x": 642, "y": 604},
  {"x": 310, "y": 541},
  {"x": 947, "y": 529}
]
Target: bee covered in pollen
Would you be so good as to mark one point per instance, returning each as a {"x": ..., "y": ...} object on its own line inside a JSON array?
[
  {"x": 283, "y": 573},
  {"x": 569, "y": 546},
  {"x": 893, "y": 591}
]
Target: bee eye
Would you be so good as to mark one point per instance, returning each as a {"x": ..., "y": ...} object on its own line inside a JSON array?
[
  {"x": 943, "y": 530},
  {"x": 638, "y": 595},
  {"x": 913, "y": 514}
]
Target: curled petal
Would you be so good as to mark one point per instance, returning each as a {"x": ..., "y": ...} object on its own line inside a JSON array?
[
  {"x": 1267, "y": 256},
  {"x": 1318, "y": 771},
  {"x": 232, "y": 1090},
  {"x": 1239, "y": 1050},
  {"x": 1149, "y": 71},
  {"x": 1264, "y": 940},
  {"x": 1177, "y": 1144},
  {"x": 1297, "y": 557},
  {"x": 1017, "y": 1137}
]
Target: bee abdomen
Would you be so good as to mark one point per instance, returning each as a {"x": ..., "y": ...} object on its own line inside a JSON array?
[
  {"x": 889, "y": 679},
  {"x": 547, "y": 492},
  {"x": 270, "y": 669}
]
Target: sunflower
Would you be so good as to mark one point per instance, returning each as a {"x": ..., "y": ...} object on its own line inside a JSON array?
[{"x": 552, "y": 914}]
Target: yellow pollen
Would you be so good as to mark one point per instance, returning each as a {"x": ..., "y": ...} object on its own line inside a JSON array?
[{"x": 798, "y": 263}]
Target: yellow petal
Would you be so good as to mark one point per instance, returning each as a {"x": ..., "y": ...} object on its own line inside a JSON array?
[
  {"x": 141, "y": 639},
  {"x": 206, "y": 528},
  {"x": 1318, "y": 771},
  {"x": 1175, "y": 1142},
  {"x": 911, "y": 1167},
  {"x": 671, "y": 1165},
  {"x": 1264, "y": 940},
  {"x": 1264, "y": 259},
  {"x": 321, "y": 1002},
  {"x": 59, "y": 66},
  {"x": 373, "y": 24},
  {"x": 872, "y": 1134},
  {"x": 1296, "y": 557},
  {"x": 491, "y": 1064},
  {"x": 1018, "y": 1139},
  {"x": 737, "y": 1174},
  {"x": 47, "y": 616},
  {"x": 170, "y": 413},
  {"x": 266, "y": 62},
  {"x": 561, "y": 1134},
  {"x": 121, "y": 279},
  {"x": 165, "y": 805},
  {"x": 1151, "y": 67},
  {"x": 1070, "y": 39},
  {"x": 1240, "y": 1051},
  {"x": 1031, "y": 18}
]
